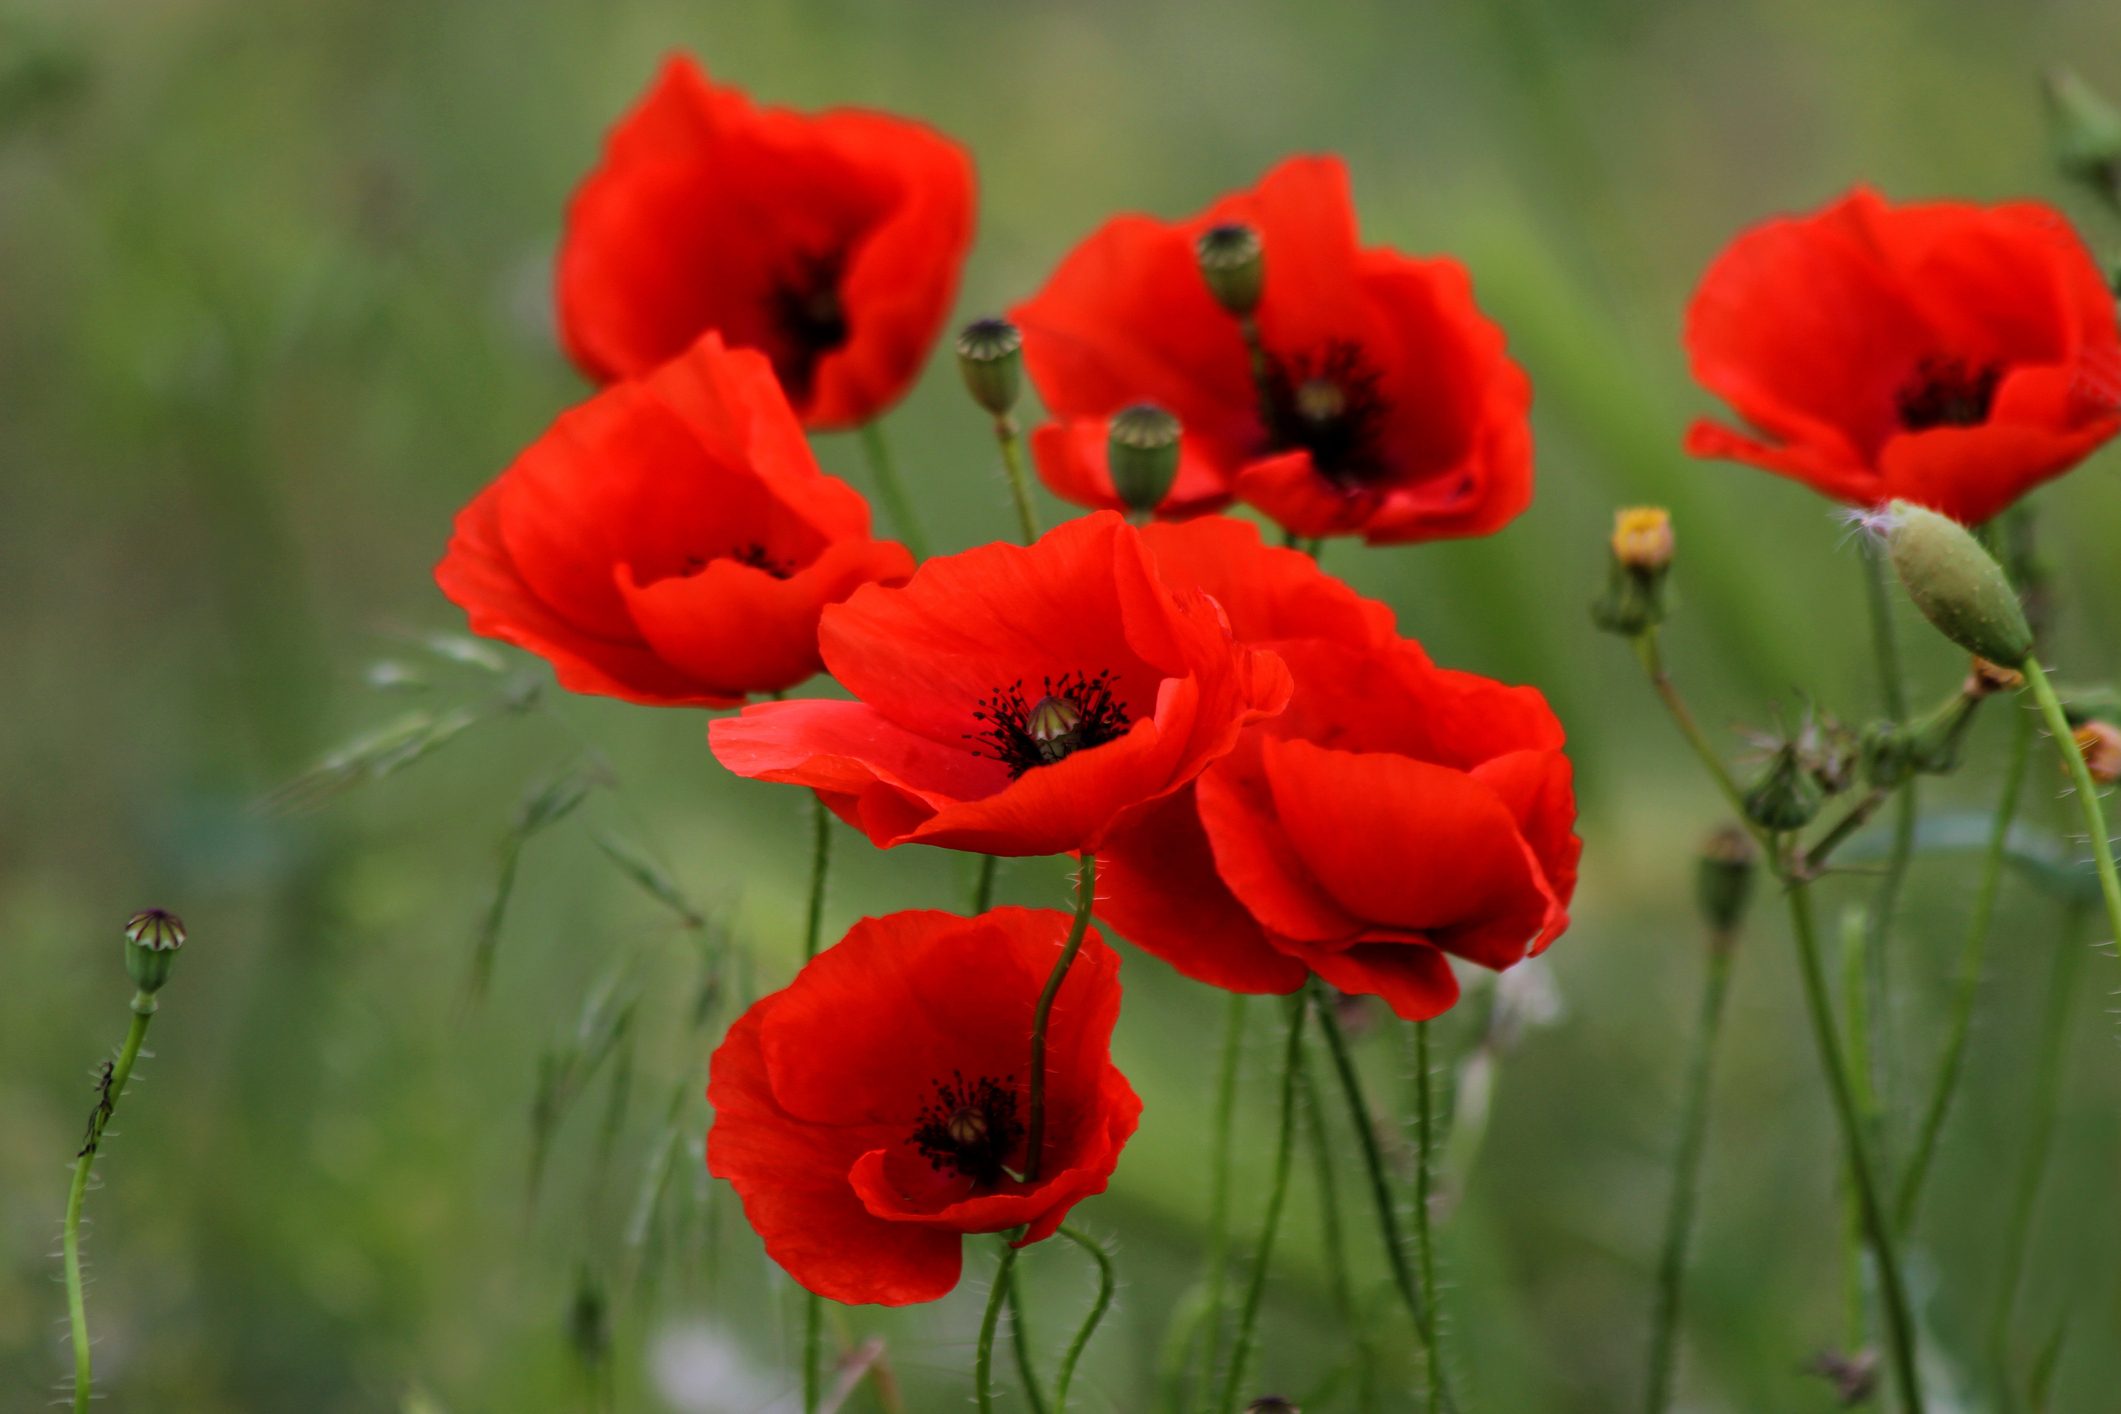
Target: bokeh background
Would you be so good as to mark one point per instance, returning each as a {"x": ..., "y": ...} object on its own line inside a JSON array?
[{"x": 274, "y": 303}]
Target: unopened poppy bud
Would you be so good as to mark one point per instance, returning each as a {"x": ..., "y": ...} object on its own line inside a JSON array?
[
  {"x": 1642, "y": 546},
  {"x": 152, "y": 937},
  {"x": 1233, "y": 262},
  {"x": 1986, "y": 679},
  {"x": 990, "y": 355},
  {"x": 1957, "y": 585},
  {"x": 1271, "y": 1404},
  {"x": 2086, "y": 133},
  {"x": 1723, "y": 878},
  {"x": 1886, "y": 760},
  {"x": 1142, "y": 452},
  {"x": 1786, "y": 796},
  {"x": 2100, "y": 742}
]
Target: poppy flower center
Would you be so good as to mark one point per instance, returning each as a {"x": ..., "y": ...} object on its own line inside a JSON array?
[
  {"x": 1076, "y": 711},
  {"x": 970, "y": 1127},
  {"x": 1327, "y": 402},
  {"x": 1947, "y": 392},
  {"x": 753, "y": 554},
  {"x": 811, "y": 321}
]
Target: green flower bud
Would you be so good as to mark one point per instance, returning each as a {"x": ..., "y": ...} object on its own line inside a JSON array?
[
  {"x": 1723, "y": 878},
  {"x": 1233, "y": 262},
  {"x": 1886, "y": 759},
  {"x": 1642, "y": 546},
  {"x": 1786, "y": 796},
  {"x": 990, "y": 355},
  {"x": 152, "y": 938},
  {"x": 1956, "y": 585},
  {"x": 1142, "y": 453},
  {"x": 2086, "y": 132}
]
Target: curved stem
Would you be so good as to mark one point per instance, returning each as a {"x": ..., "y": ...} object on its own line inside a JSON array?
[
  {"x": 1900, "y": 1328},
  {"x": 1649, "y": 650},
  {"x": 1967, "y": 986},
  {"x": 1424, "y": 1237},
  {"x": 1277, "y": 1196},
  {"x": 112, "y": 1090},
  {"x": 2087, "y": 789},
  {"x": 891, "y": 491},
  {"x": 1686, "y": 1176},
  {"x": 1333, "y": 1241},
  {"x": 1012, "y": 442},
  {"x": 1035, "y": 1127},
  {"x": 983, "y": 1358},
  {"x": 1219, "y": 1183},
  {"x": 1020, "y": 1341},
  {"x": 1106, "y": 1283}
]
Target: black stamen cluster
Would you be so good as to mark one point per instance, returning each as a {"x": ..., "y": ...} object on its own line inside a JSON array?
[
  {"x": 1011, "y": 739},
  {"x": 970, "y": 1128},
  {"x": 753, "y": 554},
  {"x": 1347, "y": 443},
  {"x": 810, "y": 320},
  {"x": 1947, "y": 392}
]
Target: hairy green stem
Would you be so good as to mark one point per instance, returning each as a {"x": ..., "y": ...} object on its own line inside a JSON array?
[
  {"x": 1335, "y": 1242},
  {"x": 2087, "y": 789},
  {"x": 1277, "y": 1196},
  {"x": 1035, "y": 1127},
  {"x": 1424, "y": 1234},
  {"x": 1020, "y": 1341},
  {"x": 112, "y": 1090},
  {"x": 1012, "y": 444},
  {"x": 1219, "y": 1183},
  {"x": 1951, "y": 1063},
  {"x": 1107, "y": 1282},
  {"x": 892, "y": 491},
  {"x": 1686, "y": 1175},
  {"x": 1649, "y": 650},
  {"x": 1899, "y": 1322},
  {"x": 983, "y": 1357}
]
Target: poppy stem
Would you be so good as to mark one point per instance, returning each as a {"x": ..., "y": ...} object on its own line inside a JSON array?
[
  {"x": 1424, "y": 1234},
  {"x": 1106, "y": 1283},
  {"x": 1885, "y": 641},
  {"x": 813, "y": 1351},
  {"x": 1035, "y": 1129},
  {"x": 2087, "y": 789},
  {"x": 1335, "y": 1244},
  {"x": 1967, "y": 986},
  {"x": 1020, "y": 1341},
  {"x": 983, "y": 1358},
  {"x": 892, "y": 491},
  {"x": 1219, "y": 1183},
  {"x": 1380, "y": 1189},
  {"x": 983, "y": 886},
  {"x": 813, "y": 933},
  {"x": 1649, "y": 649},
  {"x": 1012, "y": 444},
  {"x": 1686, "y": 1173},
  {"x": 1277, "y": 1197},
  {"x": 111, "y": 1090},
  {"x": 1900, "y": 1328}
]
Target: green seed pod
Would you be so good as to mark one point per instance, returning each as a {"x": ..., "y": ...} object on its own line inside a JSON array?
[
  {"x": 1956, "y": 585},
  {"x": 1233, "y": 262},
  {"x": 1723, "y": 878},
  {"x": 990, "y": 355},
  {"x": 152, "y": 938},
  {"x": 1786, "y": 796},
  {"x": 1142, "y": 453}
]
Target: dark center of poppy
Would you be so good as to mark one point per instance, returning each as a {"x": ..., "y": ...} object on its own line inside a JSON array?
[
  {"x": 1327, "y": 402},
  {"x": 1075, "y": 711},
  {"x": 753, "y": 554},
  {"x": 1947, "y": 392},
  {"x": 811, "y": 321},
  {"x": 970, "y": 1128}
]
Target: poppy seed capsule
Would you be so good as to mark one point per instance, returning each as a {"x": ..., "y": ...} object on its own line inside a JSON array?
[
  {"x": 990, "y": 355},
  {"x": 1142, "y": 453},
  {"x": 1957, "y": 585},
  {"x": 1233, "y": 262},
  {"x": 1052, "y": 724},
  {"x": 1723, "y": 878},
  {"x": 152, "y": 938}
]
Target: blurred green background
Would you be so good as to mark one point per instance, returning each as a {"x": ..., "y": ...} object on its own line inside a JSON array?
[{"x": 274, "y": 303}]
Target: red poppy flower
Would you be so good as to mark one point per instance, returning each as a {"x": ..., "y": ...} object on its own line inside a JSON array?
[
  {"x": 831, "y": 241},
  {"x": 1397, "y": 812},
  {"x": 670, "y": 541},
  {"x": 1943, "y": 353},
  {"x": 1014, "y": 700},
  {"x": 875, "y": 1111},
  {"x": 1385, "y": 406}
]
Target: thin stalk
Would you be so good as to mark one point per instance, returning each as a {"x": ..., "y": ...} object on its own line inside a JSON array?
[
  {"x": 1856, "y": 1047},
  {"x": 1424, "y": 1236},
  {"x": 1012, "y": 444},
  {"x": 1335, "y": 1242},
  {"x": 1107, "y": 1282},
  {"x": 84, "y": 1164},
  {"x": 1651, "y": 654},
  {"x": 2087, "y": 789},
  {"x": 813, "y": 932},
  {"x": 2047, "y": 1091},
  {"x": 1900, "y": 1327},
  {"x": 1885, "y": 902},
  {"x": 1380, "y": 1187},
  {"x": 1686, "y": 1175},
  {"x": 1967, "y": 986},
  {"x": 1020, "y": 1340},
  {"x": 1219, "y": 1182},
  {"x": 891, "y": 491},
  {"x": 1277, "y": 1196},
  {"x": 983, "y": 887},
  {"x": 983, "y": 1357},
  {"x": 813, "y": 1352},
  {"x": 1812, "y": 861},
  {"x": 1035, "y": 1127}
]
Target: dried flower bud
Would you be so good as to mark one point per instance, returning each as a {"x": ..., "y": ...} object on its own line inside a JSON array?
[
  {"x": 2100, "y": 742},
  {"x": 152, "y": 938},
  {"x": 1142, "y": 452},
  {"x": 2086, "y": 133},
  {"x": 1957, "y": 585},
  {"x": 1232, "y": 261},
  {"x": 990, "y": 355},
  {"x": 1642, "y": 545},
  {"x": 1723, "y": 879},
  {"x": 1986, "y": 679},
  {"x": 1786, "y": 796}
]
